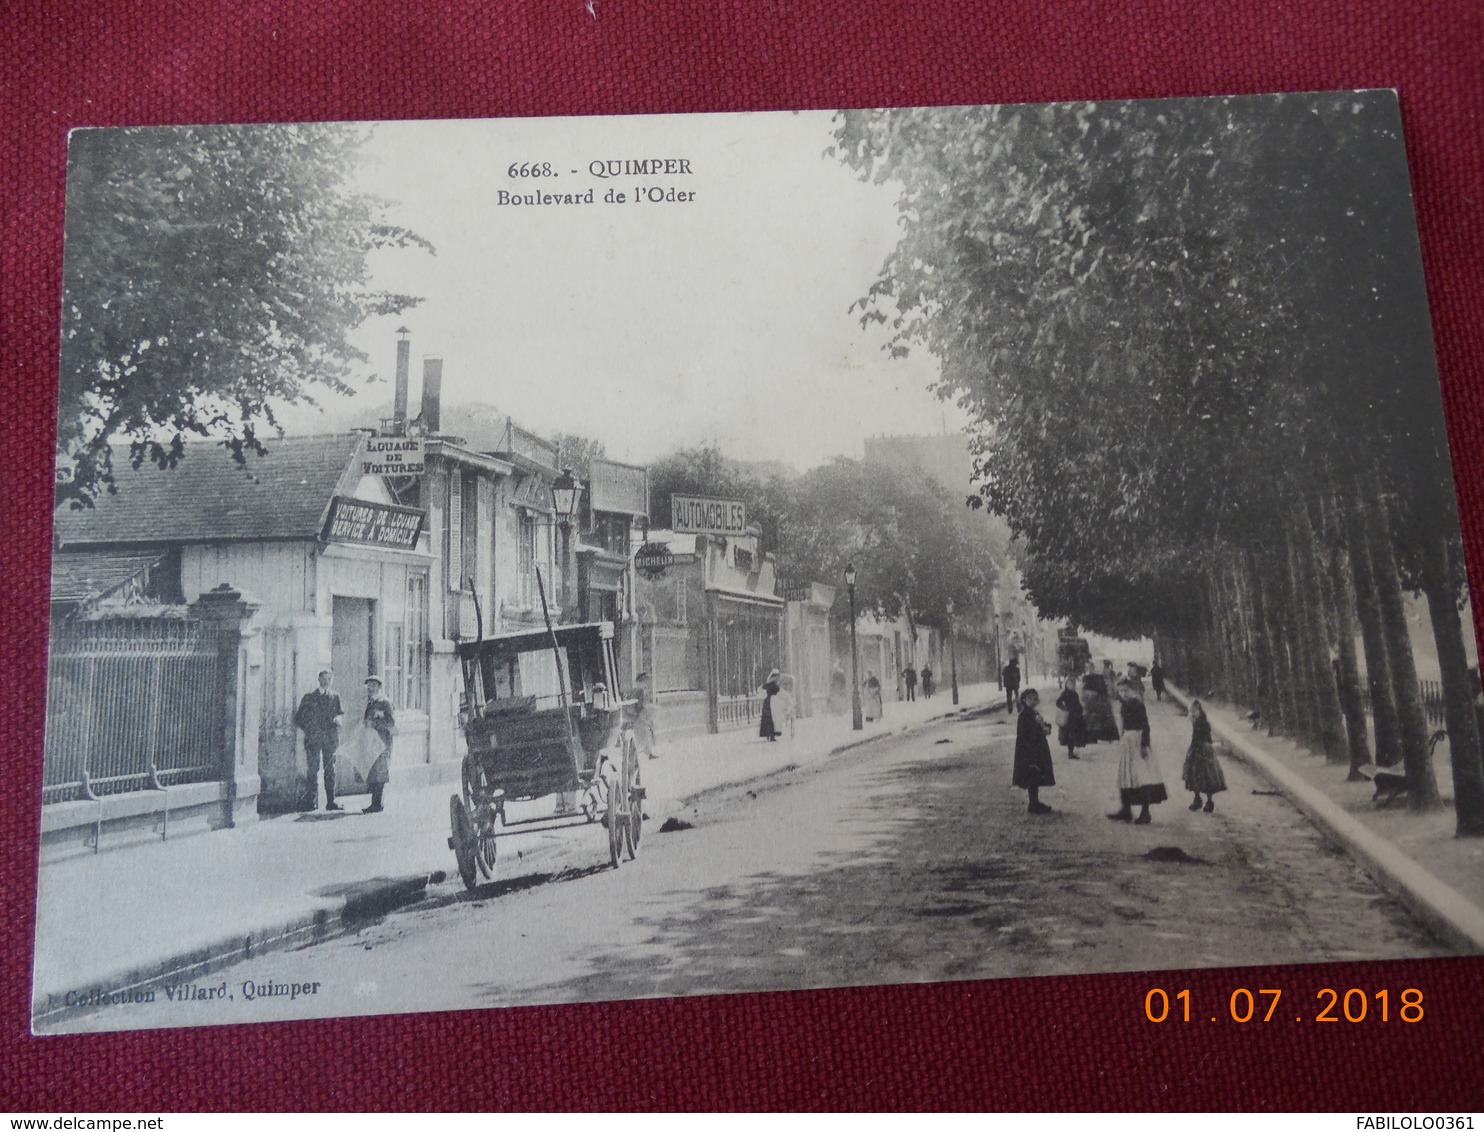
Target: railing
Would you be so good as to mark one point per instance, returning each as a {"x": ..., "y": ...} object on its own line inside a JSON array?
[
  {"x": 737, "y": 711},
  {"x": 1430, "y": 692},
  {"x": 132, "y": 705}
]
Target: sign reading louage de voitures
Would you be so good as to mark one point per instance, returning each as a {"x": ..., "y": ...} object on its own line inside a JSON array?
[
  {"x": 379, "y": 524},
  {"x": 691, "y": 515},
  {"x": 392, "y": 456}
]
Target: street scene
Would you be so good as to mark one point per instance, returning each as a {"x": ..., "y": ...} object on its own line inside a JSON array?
[{"x": 834, "y": 549}]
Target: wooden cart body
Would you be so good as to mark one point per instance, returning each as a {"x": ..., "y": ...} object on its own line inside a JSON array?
[{"x": 542, "y": 714}]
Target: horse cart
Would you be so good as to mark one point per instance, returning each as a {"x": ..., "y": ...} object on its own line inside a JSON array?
[{"x": 542, "y": 715}]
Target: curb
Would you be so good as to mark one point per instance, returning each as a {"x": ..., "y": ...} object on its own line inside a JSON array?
[
  {"x": 1442, "y": 909},
  {"x": 364, "y": 901},
  {"x": 367, "y": 901}
]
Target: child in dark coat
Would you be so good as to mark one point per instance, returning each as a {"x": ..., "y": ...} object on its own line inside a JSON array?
[{"x": 1032, "y": 753}]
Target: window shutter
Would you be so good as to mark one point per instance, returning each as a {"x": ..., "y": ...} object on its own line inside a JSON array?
[{"x": 455, "y": 547}]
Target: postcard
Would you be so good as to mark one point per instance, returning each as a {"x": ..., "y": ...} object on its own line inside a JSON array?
[{"x": 544, "y": 561}]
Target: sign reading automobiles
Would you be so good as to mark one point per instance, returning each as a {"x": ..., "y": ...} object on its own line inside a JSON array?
[
  {"x": 392, "y": 456},
  {"x": 380, "y": 524},
  {"x": 690, "y": 515}
]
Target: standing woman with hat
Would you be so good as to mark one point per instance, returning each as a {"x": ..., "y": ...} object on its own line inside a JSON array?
[
  {"x": 380, "y": 719},
  {"x": 767, "y": 729}
]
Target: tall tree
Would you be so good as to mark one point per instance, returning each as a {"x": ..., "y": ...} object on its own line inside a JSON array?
[
  {"x": 1181, "y": 327},
  {"x": 210, "y": 274}
]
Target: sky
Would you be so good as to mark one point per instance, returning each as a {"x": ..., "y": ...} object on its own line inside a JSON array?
[{"x": 648, "y": 326}]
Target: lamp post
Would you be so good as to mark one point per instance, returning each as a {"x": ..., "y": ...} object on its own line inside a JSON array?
[
  {"x": 856, "y": 723},
  {"x": 952, "y": 653},
  {"x": 564, "y": 492}
]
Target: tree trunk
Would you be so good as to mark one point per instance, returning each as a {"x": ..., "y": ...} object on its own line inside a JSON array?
[
  {"x": 1330, "y": 721},
  {"x": 1422, "y": 784},
  {"x": 1266, "y": 700},
  {"x": 1277, "y": 615},
  {"x": 1373, "y": 638},
  {"x": 1458, "y": 686},
  {"x": 1342, "y": 600},
  {"x": 1301, "y": 647}
]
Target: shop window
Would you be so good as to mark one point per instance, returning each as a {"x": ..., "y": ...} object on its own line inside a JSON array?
[
  {"x": 416, "y": 698},
  {"x": 392, "y": 670}
]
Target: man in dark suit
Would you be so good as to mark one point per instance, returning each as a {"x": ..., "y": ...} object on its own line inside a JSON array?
[{"x": 319, "y": 718}]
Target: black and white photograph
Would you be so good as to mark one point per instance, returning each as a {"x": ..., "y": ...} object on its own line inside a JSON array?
[{"x": 530, "y": 561}]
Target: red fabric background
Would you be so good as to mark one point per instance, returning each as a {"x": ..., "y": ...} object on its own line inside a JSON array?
[{"x": 1063, "y": 1043}]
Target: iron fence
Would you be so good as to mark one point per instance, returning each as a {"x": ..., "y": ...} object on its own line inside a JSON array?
[
  {"x": 1430, "y": 692},
  {"x": 132, "y": 705},
  {"x": 737, "y": 711}
]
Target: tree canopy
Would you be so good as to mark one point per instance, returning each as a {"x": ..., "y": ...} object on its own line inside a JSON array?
[
  {"x": 914, "y": 544},
  {"x": 1168, "y": 319},
  {"x": 209, "y": 274}
]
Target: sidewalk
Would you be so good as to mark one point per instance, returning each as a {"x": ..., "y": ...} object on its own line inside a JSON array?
[
  {"x": 175, "y": 910},
  {"x": 1415, "y": 857}
]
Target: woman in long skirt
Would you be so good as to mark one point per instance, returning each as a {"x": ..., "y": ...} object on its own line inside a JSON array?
[
  {"x": 1202, "y": 773},
  {"x": 767, "y": 729},
  {"x": 1032, "y": 769},
  {"x": 1071, "y": 724},
  {"x": 1140, "y": 781}
]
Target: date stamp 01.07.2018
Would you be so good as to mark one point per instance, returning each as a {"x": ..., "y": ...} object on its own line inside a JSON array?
[{"x": 1261, "y": 1005}]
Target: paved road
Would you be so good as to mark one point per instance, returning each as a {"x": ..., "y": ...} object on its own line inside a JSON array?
[{"x": 902, "y": 861}]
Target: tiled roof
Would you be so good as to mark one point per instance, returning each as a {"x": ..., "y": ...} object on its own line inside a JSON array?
[
  {"x": 208, "y": 497},
  {"x": 87, "y": 576}
]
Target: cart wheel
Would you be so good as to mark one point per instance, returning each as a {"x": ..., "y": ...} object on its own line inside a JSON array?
[
  {"x": 484, "y": 854},
  {"x": 634, "y": 799},
  {"x": 469, "y": 778},
  {"x": 614, "y": 820},
  {"x": 616, "y": 816},
  {"x": 463, "y": 840}
]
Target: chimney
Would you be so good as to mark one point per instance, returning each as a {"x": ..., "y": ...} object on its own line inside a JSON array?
[
  {"x": 404, "y": 352},
  {"x": 432, "y": 394}
]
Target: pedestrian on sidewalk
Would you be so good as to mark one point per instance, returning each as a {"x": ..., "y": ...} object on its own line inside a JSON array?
[
  {"x": 644, "y": 733},
  {"x": 838, "y": 701},
  {"x": 380, "y": 719},
  {"x": 909, "y": 678},
  {"x": 767, "y": 729},
  {"x": 927, "y": 682},
  {"x": 1032, "y": 769},
  {"x": 1202, "y": 773},
  {"x": 872, "y": 705},
  {"x": 318, "y": 716},
  {"x": 1157, "y": 681},
  {"x": 1140, "y": 781},
  {"x": 1010, "y": 678},
  {"x": 1071, "y": 723}
]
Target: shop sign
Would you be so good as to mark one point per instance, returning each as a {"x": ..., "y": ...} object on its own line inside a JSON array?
[
  {"x": 376, "y": 524},
  {"x": 653, "y": 559},
  {"x": 691, "y": 515},
  {"x": 392, "y": 456}
]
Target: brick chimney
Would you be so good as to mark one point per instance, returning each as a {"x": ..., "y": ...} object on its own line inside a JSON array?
[
  {"x": 431, "y": 416},
  {"x": 404, "y": 353}
]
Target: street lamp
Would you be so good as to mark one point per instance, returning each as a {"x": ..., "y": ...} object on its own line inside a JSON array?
[
  {"x": 856, "y": 723},
  {"x": 952, "y": 652},
  {"x": 564, "y": 492}
]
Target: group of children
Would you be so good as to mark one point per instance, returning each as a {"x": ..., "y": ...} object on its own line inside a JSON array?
[{"x": 1140, "y": 779}]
